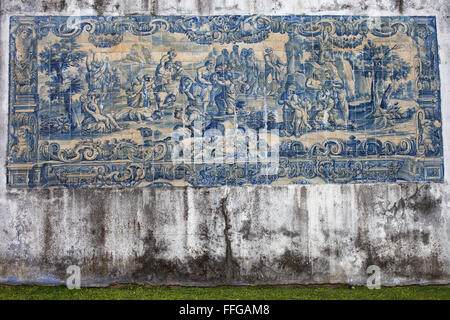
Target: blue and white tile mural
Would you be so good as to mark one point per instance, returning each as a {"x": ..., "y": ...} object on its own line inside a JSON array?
[{"x": 223, "y": 100}]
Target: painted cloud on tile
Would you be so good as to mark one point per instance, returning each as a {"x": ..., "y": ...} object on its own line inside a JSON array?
[{"x": 223, "y": 100}]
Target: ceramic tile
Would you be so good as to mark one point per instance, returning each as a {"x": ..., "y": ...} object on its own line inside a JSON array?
[{"x": 223, "y": 100}]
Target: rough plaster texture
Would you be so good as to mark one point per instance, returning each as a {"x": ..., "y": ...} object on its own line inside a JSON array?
[{"x": 233, "y": 235}]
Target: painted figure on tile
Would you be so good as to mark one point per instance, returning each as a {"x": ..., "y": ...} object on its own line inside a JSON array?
[
  {"x": 94, "y": 121},
  {"x": 273, "y": 68},
  {"x": 194, "y": 92},
  {"x": 21, "y": 146},
  {"x": 314, "y": 82},
  {"x": 324, "y": 113},
  {"x": 139, "y": 102},
  {"x": 204, "y": 80},
  {"x": 325, "y": 76},
  {"x": 295, "y": 112},
  {"x": 334, "y": 86},
  {"x": 167, "y": 72},
  {"x": 96, "y": 75},
  {"x": 139, "y": 94},
  {"x": 24, "y": 65},
  {"x": 225, "y": 91},
  {"x": 235, "y": 58},
  {"x": 252, "y": 72},
  {"x": 428, "y": 134}
]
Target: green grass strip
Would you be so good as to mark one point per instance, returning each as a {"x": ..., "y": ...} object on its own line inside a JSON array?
[{"x": 225, "y": 292}]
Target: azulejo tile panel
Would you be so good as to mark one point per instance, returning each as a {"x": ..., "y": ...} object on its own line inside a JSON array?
[{"x": 223, "y": 100}]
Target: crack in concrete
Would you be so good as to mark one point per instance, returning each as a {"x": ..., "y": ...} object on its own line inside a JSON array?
[
  {"x": 399, "y": 5},
  {"x": 154, "y": 8},
  {"x": 230, "y": 264},
  {"x": 185, "y": 204}
]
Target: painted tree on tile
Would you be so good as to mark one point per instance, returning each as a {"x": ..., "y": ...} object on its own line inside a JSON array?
[
  {"x": 384, "y": 68},
  {"x": 55, "y": 60}
]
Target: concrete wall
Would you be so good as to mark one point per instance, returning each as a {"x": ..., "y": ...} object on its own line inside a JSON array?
[{"x": 228, "y": 235}]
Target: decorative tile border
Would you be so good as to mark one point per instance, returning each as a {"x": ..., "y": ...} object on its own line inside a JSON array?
[{"x": 223, "y": 100}]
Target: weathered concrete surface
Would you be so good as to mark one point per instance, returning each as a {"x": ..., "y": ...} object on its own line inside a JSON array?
[
  {"x": 228, "y": 235},
  {"x": 234, "y": 235}
]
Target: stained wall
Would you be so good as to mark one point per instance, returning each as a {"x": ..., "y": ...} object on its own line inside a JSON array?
[{"x": 235, "y": 235}]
